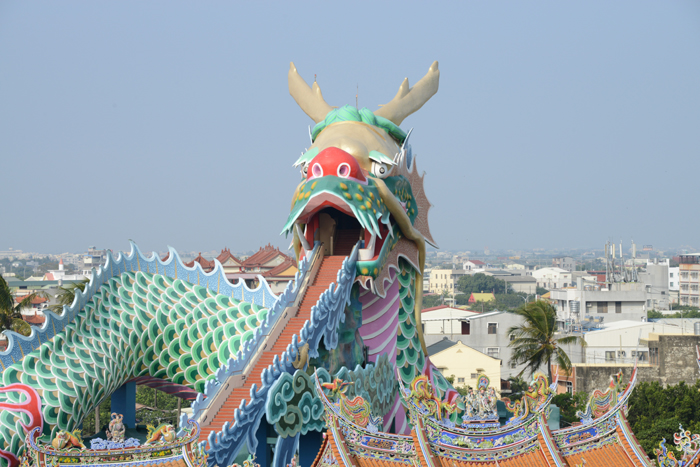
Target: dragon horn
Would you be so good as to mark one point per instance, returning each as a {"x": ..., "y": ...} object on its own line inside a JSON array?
[
  {"x": 408, "y": 100},
  {"x": 309, "y": 99}
]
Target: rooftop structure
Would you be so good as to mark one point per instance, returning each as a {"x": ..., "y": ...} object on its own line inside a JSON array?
[{"x": 445, "y": 435}]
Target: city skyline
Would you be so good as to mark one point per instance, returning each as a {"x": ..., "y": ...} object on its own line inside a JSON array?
[{"x": 554, "y": 125}]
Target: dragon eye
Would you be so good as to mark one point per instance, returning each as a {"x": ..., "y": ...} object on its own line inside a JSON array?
[
  {"x": 380, "y": 170},
  {"x": 344, "y": 170}
]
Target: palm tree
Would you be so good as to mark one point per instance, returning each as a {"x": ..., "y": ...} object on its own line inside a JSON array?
[
  {"x": 10, "y": 315},
  {"x": 534, "y": 342},
  {"x": 66, "y": 295}
]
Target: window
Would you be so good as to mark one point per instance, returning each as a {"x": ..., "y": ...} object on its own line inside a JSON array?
[
  {"x": 609, "y": 355},
  {"x": 694, "y": 287},
  {"x": 512, "y": 365},
  {"x": 670, "y": 284},
  {"x": 466, "y": 328},
  {"x": 694, "y": 301},
  {"x": 512, "y": 337},
  {"x": 475, "y": 375},
  {"x": 492, "y": 327},
  {"x": 492, "y": 352},
  {"x": 654, "y": 355},
  {"x": 460, "y": 380},
  {"x": 684, "y": 287},
  {"x": 569, "y": 387},
  {"x": 618, "y": 307},
  {"x": 684, "y": 275},
  {"x": 602, "y": 307},
  {"x": 670, "y": 274},
  {"x": 694, "y": 276},
  {"x": 684, "y": 300}
]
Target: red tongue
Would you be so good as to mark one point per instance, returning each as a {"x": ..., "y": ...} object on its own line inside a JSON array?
[{"x": 336, "y": 162}]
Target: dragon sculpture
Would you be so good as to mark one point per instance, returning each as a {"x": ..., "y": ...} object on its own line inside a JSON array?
[
  {"x": 359, "y": 177},
  {"x": 159, "y": 322}
]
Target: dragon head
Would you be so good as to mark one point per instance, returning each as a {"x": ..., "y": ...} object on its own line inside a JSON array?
[{"x": 360, "y": 182}]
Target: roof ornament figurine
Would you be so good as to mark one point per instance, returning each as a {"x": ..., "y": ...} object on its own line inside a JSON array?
[{"x": 480, "y": 405}]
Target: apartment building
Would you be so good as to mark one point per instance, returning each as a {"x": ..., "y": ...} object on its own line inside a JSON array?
[
  {"x": 564, "y": 262},
  {"x": 552, "y": 278},
  {"x": 689, "y": 271},
  {"x": 442, "y": 280}
]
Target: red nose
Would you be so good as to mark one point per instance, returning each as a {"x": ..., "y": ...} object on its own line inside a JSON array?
[{"x": 335, "y": 161}]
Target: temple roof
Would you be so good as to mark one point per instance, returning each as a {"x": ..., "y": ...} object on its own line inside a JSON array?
[
  {"x": 438, "y": 439},
  {"x": 281, "y": 268},
  {"x": 226, "y": 255},
  {"x": 264, "y": 256}
]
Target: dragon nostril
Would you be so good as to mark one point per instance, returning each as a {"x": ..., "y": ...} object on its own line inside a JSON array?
[
  {"x": 344, "y": 170},
  {"x": 317, "y": 170}
]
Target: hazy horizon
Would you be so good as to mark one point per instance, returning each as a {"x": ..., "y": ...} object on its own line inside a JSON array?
[{"x": 170, "y": 123}]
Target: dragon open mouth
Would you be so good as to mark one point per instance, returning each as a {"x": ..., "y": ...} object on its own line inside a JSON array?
[{"x": 329, "y": 219}]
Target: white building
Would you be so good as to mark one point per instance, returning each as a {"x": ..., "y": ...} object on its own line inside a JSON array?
[
  {"x": 474, "y": 265},
  {"x": 445, "y": 320},
  {"x": 485, "y": 332},
  {"x": 60, "y": 274},
  {"x": 618, "y": 301},
  {"x": 552, "y": 278},
  {"x": 674, "y": 279},
  {"x": 655, "y": 278},
  {"x": 624, "y": 341}
]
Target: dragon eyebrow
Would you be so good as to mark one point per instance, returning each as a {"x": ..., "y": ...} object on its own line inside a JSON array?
[
  {"x": 377, "y": 156},
  {"x": 306, "y": 157}
]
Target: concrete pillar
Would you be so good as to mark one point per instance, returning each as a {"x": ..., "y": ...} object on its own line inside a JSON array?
[{"x": 124, "y": 402}]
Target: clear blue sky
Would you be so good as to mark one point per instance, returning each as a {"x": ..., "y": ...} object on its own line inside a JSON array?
[{"x": 557, "y": 124}]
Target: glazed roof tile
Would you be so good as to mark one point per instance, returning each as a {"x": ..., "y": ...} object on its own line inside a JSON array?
[
  {"x": 263, "y": 256},
  {"x": 226, "y": 255},
  {"x": 278, "y": 270},
  {"x": 34, "y": 319},
  {"x": 35, "y": 301},
  {"x": 529, "y": 459},
  {"x": 612, "y": 455}
]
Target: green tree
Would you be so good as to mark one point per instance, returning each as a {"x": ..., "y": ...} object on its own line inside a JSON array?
[
  {"x": 45, "y": 267},
  {"x": 535, "y": 342},
  {"x": 432, "y": 300},
  {"x": 541, "y": 291},
  {"x": 462, "y": 390},
  {"x": 479, "y": 282},
  {"x": 66, "y": 295},
  {"x": 10, "y": 316},
  {"x": 653, "y": 314},
  {"x": 655, "y": 412},
  {"x": 518, "y": 386},
  {"x": 568, "y": 405}
]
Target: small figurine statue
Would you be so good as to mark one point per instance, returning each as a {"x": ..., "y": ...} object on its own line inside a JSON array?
[
  {"x": 116, "y": 428},
  {"x": 164, "y": 433},
  {"x": 67, "y": 440}
]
